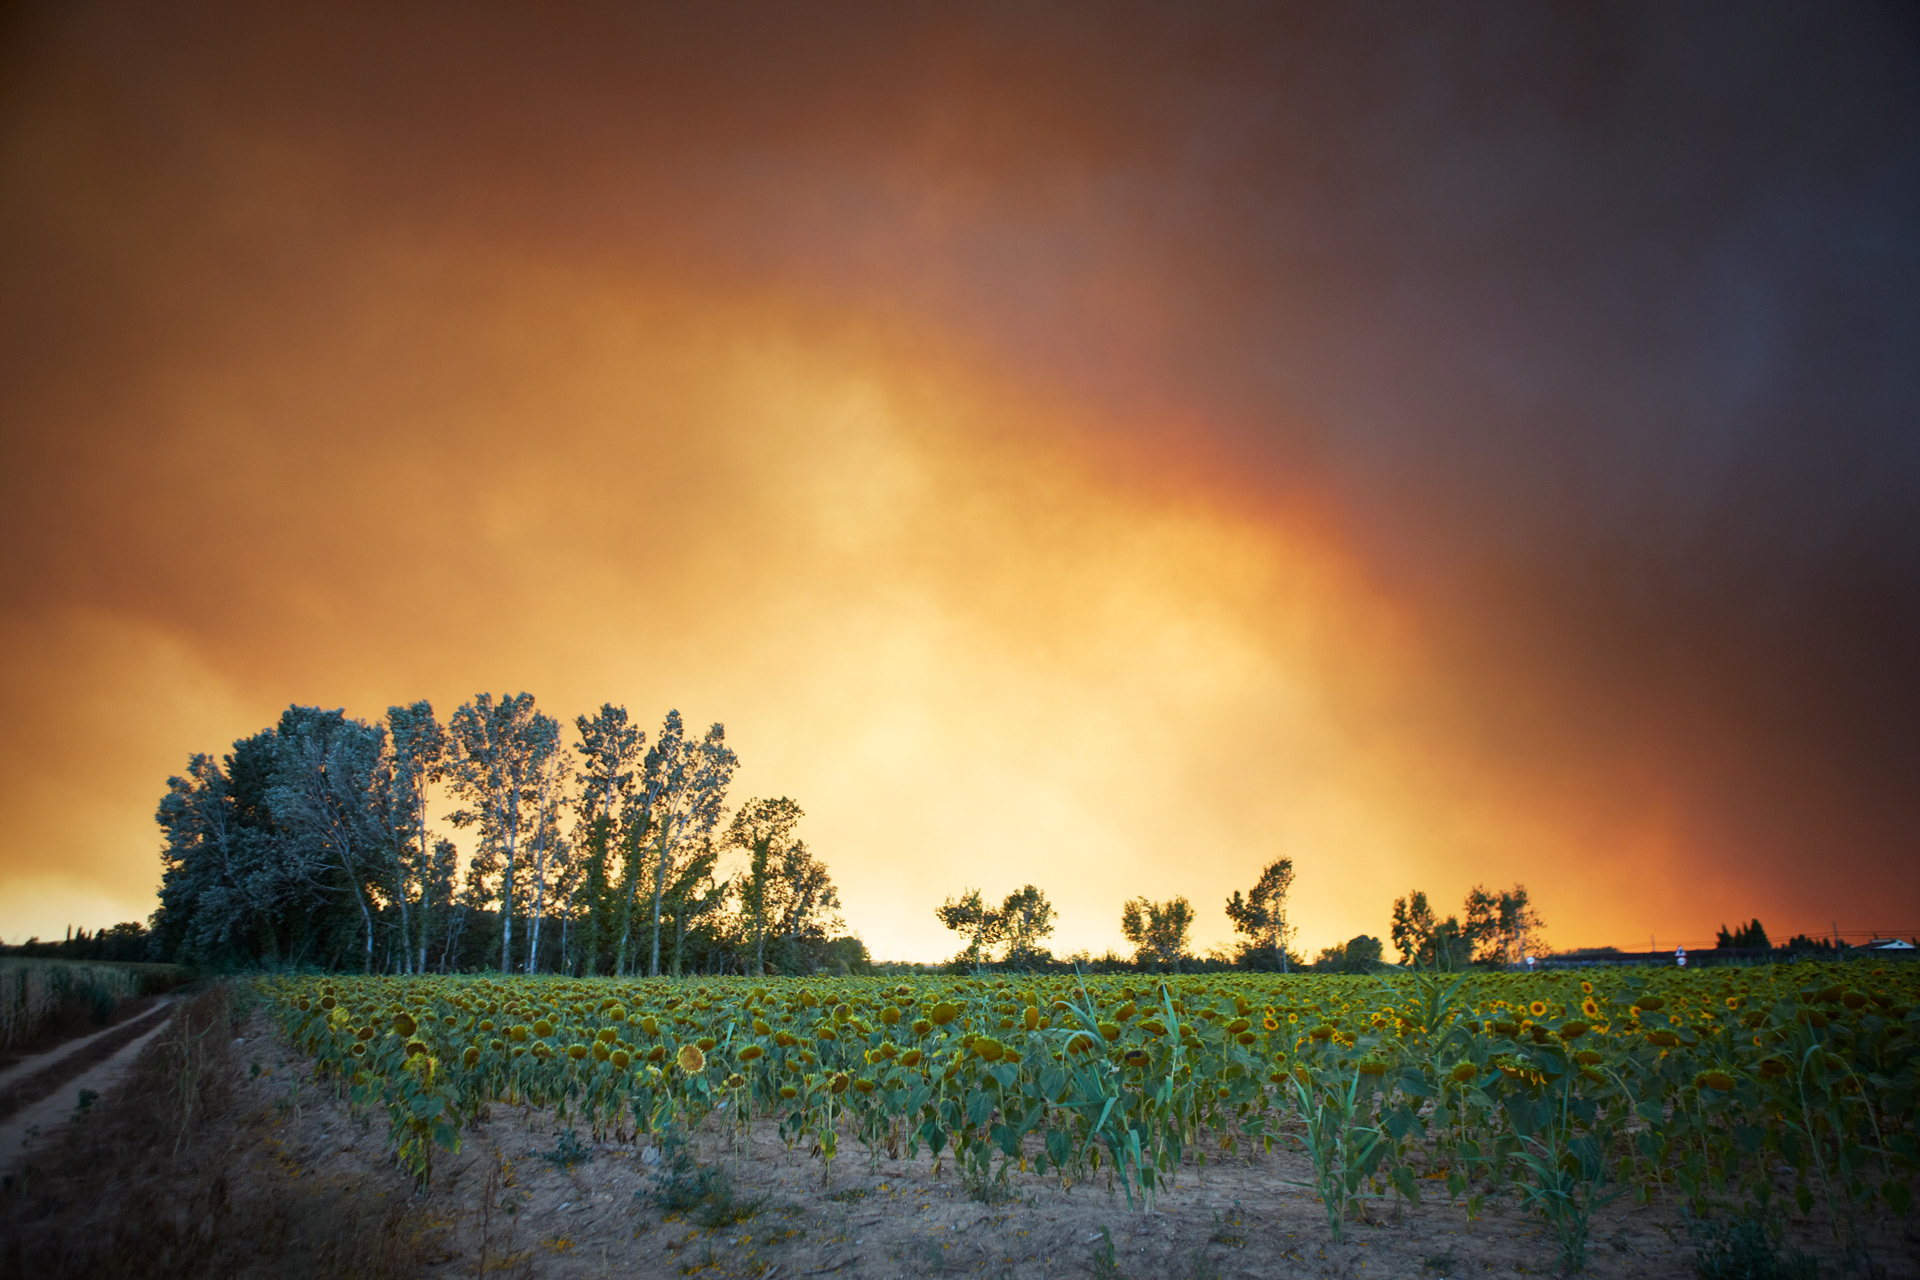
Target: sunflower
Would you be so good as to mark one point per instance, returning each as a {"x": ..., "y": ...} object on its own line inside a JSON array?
[
  {"x": 1538, "y": 1008},
  {"x": 1586, "y": 988},
  {"x": 1590, "y": 1007},
  {"x": 690, "y": 1059}
]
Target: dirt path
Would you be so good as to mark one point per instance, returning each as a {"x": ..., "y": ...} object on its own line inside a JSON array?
[
  {"x": 36, "y": 1063},
  {"x": 40, "y": 1120}
]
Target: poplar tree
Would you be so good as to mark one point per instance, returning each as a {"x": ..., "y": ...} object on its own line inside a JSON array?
[
  {"x": 418, "y": 760},
  {"x": 546, "y": 796},
  {"x": 499, "y": 750},
  {"x": 609, "y": 749},
  {"x": 686, "y": 790}
]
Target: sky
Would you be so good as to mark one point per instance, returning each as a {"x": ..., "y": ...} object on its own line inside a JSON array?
[{"x": 1105, "y": 447}]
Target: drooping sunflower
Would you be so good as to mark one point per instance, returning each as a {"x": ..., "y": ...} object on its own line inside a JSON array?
[{"x": 690, "y": 1059}]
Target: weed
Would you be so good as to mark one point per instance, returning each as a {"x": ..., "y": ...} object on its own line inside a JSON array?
[
  {"x": 1746, "y": 1247},
  {"x": 848, "y": 1195},
  {"x": 986, "y": 1188},
  {"x": 1105, "y": 1265},
  {"x": 703, "y": 1193},
  {"x": 568, "y": 1152},
  {"x": 1227, "y": 1231},
  {"x": 1203, "y": 1268},
  {"x": 1441, "y": 1262}
]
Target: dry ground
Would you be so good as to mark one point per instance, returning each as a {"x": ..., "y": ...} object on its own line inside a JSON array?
[{"x": 237, "y": 1163}]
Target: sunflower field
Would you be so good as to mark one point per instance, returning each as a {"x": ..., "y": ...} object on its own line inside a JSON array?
[{"x": 1712, "y": 1087}]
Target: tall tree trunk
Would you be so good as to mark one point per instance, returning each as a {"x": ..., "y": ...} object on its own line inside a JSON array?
[
  {"x": 539, "y": 901},
  {"x": 406, "y": 928},
  {"x": 659, "y": 890},
  {"x": 426, "y": 884},
  {"x": 506, "y": 884}
]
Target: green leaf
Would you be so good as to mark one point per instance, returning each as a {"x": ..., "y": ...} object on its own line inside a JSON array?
[{"x": 1898, "y": 1195}]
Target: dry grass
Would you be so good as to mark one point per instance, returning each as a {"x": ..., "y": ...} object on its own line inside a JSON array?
[{"x": 158, "y": 1183}]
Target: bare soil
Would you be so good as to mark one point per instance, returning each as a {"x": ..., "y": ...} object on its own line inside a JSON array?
[{"x": 275, "y": 1177}]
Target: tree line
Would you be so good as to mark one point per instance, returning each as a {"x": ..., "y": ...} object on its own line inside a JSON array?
[
  {"x": 315, "y": 842},
  {"x": 1498, "y": 931}
]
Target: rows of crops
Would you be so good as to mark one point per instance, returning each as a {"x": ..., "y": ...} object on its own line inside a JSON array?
[{"x": 1710, "y": 1086}]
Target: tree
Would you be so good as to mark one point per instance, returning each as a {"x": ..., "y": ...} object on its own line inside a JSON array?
[
  {"x": 1357, "y": 955},
  {"x": 1261, "y": 916},
  {"x": 1500, "y": 925},
  {"x": 971, "y": 918},
  {"x": 763, "y": 830},
  {"x": 220, "y": 888},
  {"x": 1412, "y": 926},
  {"x": 1157, "y": 930},
  {"x": 323, "y": 793},
  {"x": 1026, "y": 919},
  {"x": 1751, "y": 936},
  {"x": 694, "y": 895},
  {"x": 686, "y": 792},
  {"x": 1421, "y": 939},
  {"x": 546, "y": 796},
  {"x": 609, "y": 749},
  {"x": 417, "y": 761},
  {"x": 500, "y": 749},
  {"x": 809, "y": 903}
]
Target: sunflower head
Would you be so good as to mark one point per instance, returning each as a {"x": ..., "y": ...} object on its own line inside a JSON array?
[
  {"x": 1538, "y": 1008},
  {"x": 690, "y": 1059}
]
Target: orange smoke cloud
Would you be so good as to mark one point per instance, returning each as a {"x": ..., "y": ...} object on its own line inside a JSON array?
[{"x": 849, "y": 389}]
